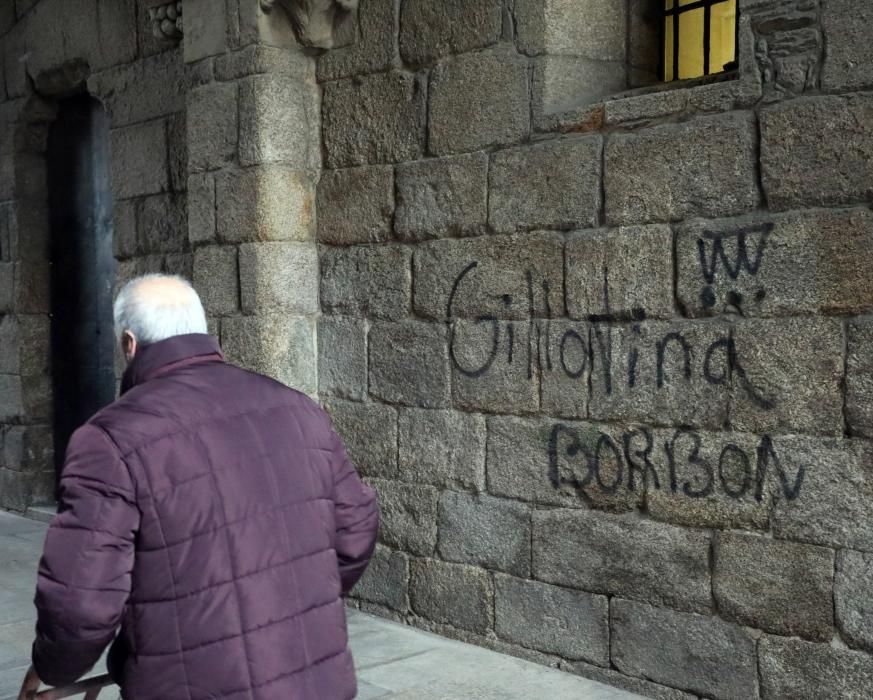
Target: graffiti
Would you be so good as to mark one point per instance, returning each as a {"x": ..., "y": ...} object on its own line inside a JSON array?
[
  {"x": 713, "y": 257},
  {"x": 636, "y": 462}
]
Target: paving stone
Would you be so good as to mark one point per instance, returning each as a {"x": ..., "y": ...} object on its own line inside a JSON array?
[
  {"x": 817, "y": 473},
  {"x": 371, "y": 281},
  {"x": 787, "y": 376},
  {"x": 835, "y": 136},
  {"x": 675, "y": 188},
  {"x": 372, "y": 51},
  {"x": 624, "y": 556},
  {"x": 577, "y": 627},
  {"x": 269, "y": 203},
  {"x": 780, "y": 587},
  {"x": 429, "y": 32},
  {"x": 201, "y": 208},
  {"x": 342, "y": 357},
  {"x": 369, "y": 432},
  {"x": 853, "y": 601},
  {"x": 385, "y": 580},
  {"x": 478, "y": 100},
  {"x": 617, "y": 271},
  {"x": 374, "y": 119},
  {"x": 792, "y": 668},
  {"x": 213, "y": 126},
  {"x": 279, "y": 122},
  {"x": 409, "y": 364},
  {"x": 407, "y": 516},
  {"x": 279, "y": 346},
  {"x": 848, "y": 61},
  {"x": 507, "y": 277},
  {"x": 139, "y": 160},
  {"x": 355, "y": 205},
  {"x": 701, "y": 654},
  {"x": 453, "y": 594},
  {"x": 278, "y": 276},
  {"x": 489, "y": 532},
  {"x": 442, "y": 448},
  {"x": 804, "y": 262},
  {"x": 216, "y": 279},
  {"x": 560, "y": 28},
  {"x": 859, "y": 377},
  {"x": 553, "y": 185},
  {"x": 442, "y": 197}
]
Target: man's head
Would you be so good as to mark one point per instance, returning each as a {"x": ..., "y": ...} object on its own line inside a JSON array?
[{"x": 156, "y": 307}]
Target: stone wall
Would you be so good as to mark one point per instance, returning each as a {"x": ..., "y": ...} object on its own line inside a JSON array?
[{"x": 607, "y": 367}]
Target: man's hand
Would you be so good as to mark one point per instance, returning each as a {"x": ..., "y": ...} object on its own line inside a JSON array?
[{"x": 30, "y": 686}]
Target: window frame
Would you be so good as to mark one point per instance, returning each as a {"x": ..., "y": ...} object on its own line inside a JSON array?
[{"x": 674, "y": 14}]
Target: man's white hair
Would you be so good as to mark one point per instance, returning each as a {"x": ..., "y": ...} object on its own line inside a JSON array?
[{"x": 157, "y": 307}]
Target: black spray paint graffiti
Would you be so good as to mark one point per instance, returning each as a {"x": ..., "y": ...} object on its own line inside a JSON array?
[
  {"x": 716, "y": 257},
  {"x": 630, "y": 462}
]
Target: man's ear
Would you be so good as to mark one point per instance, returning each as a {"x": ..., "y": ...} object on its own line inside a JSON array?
[{"x": 128, "y": 345}]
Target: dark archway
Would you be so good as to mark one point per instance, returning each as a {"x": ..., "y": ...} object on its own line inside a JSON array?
[{"x": 83, "y": 266}]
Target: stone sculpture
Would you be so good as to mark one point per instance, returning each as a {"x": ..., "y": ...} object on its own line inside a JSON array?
[{"x": 315, "y": 21}]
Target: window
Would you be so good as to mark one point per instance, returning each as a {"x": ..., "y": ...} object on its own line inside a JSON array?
[{"x": 699, "y": 38}]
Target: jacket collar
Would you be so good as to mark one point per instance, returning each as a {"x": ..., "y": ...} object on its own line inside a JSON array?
[{"x": 156, "y": 359}]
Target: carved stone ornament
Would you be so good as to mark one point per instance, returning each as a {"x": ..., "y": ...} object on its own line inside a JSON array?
[
  {"x": 166, "y": 19},
  {"x": 316, "y": 22}
]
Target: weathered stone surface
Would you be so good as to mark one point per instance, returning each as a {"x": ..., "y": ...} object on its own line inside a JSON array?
[
  {"x": 369, "y": 432},
  {"x": 37, "y": 397},
  {"x": 201, "y": 208},
  {"x": 409, "y": 364},
  {"x": 177, "y": 145},
  {"x": 490, "y": 370},
  {"x": 162, "y": 224},
  {"x": 478, "y": 100},
  {"x": 342, "y": 357},
  {"x": 9, "y": 348},
  {"x": 620, "y": 270},
  {"x": 258, "y": 59},
  {"x": 268, "y": 203},
  {"x": 653, "y": 105},
  {"x": 442, "y": 448},
  {"x": 374, "y": 48},
  {"x": 552, "y": 185},
  {"x": 452, "y": 594},
  {"x": 848, "y": 60},
  {"x": 702, "y": 654},
  {"x": 661, "y": 372},
  {"x": 859, "y": 377},
  {"x": 373, "y": 281},
  {"x": 558, "y": 27},
  {"x": 10, "y": 396},
  {"x": 805, "y": 262},
  {"x": 33, "y": 287},
  {"x": 564, "y": 367},
  {"x": 571, "y": 624},
  {"x": 213, "y": 126},
  {"x": 852, "y": 598},
  {"x": 7, "y": 286},
  {"x": 675, "y": 187},
  {"x": 429, "y": 31},
  {"x": 34, "y": 337},
  {"x": 375, "y": 119},
  {"x": 355, "y": 205},
  {"x": 216, "y": 279},
  {"x": 386, "y": 580},
  {"x": 124, "y": 244},
  {"x": 818, "y": 473},
  {"x": 791, "y": 668},
  {"x": 489, "y": 277},
  {"x": 279, "y": 122},
  {"x": 787, "y": 376},
  {"x": 16, "y": 489},
  {"x": 139, "y": 160},
  {"x": 278, "y": 346},
  {"x": 206, "y": 30},
  {"x": 442, "y": 197},
  {"x": 486, "y": 531},
  {"x": 622, "y": 555},
  {"x": 278, "y": 276},
  {"x": 407, "y": 516},
  {"x": 565, "y": 83},
  {"x": 780, "y": 587},
  {"x": 835, "y": 136}
]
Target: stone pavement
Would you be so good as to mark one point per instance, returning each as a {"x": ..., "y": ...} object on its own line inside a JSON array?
[{"x": 394, "y": 662}]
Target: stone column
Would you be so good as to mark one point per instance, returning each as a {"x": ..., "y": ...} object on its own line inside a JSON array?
[{"x": 254, "y": 157}]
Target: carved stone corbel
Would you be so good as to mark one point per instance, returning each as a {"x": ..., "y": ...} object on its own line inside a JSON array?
[
  {"x": 316, "y": 22},
  {"x": 166, "y": 19}
]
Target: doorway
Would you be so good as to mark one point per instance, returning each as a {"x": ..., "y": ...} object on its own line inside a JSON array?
[{"x": 83, "y": 266}]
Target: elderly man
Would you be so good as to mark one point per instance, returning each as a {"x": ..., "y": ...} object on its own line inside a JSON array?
[{"x": 212, "y": 515}]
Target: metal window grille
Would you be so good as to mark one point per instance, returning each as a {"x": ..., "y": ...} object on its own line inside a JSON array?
[{"x": 687, "y": 32}]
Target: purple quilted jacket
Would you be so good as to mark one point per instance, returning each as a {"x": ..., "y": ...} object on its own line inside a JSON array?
[{"x": 213, "y": 516}]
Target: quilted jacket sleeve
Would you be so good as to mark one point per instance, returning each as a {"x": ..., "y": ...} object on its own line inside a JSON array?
[
  {"x": 357, "y": 518},
  {"x": 85, "y": 572}
]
